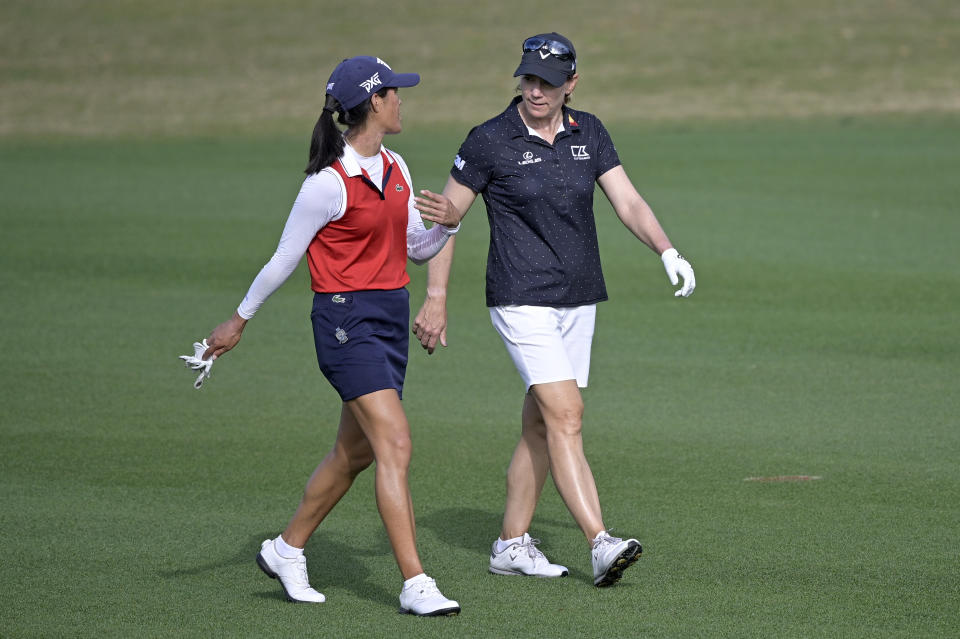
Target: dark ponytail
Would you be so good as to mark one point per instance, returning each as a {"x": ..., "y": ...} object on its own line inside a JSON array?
[{"x": 326, "y": 145}]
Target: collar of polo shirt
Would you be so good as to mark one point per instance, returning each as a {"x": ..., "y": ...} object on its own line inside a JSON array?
[{"x": 514, "y": 116}]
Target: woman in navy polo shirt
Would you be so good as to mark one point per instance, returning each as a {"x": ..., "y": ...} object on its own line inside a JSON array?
[
  {"x": 355, "y": 220},
  {"x": 536, "y": 165}
]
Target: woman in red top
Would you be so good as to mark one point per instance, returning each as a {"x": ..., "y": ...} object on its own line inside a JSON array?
[{"x": 355, "y": 220}]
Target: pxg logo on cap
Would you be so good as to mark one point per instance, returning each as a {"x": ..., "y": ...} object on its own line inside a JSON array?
[
  {"x": 373, "y": 81},
  {"x": 355, "y": 79}
]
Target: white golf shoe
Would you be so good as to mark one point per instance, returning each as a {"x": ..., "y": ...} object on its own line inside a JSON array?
[
  {"x": 424, "y": 599},
  {"x": 524, "y": 558},
  {"x": 611, "y": 556},
  {"x": 291, "y": 573}
]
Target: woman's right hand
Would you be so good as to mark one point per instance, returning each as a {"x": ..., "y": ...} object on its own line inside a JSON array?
[
  {"x": 437, "y": 208},
  {"x": 224, "y": 337},
  {"x": 430, "y": 325}
]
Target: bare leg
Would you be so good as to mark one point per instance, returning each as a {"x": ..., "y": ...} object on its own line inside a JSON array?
[
  {"x": 381, "y": 417},
  {"x": 350, "y": 455},
  {"x": 561, "y": 409},
  {"x": 527, "y": 473}
]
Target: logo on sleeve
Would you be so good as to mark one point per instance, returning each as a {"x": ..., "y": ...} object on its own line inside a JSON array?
[
  {"x": 579, "y": 152},
  {"x": 529, "y": 159},
  {"x": 459, "y": 163},
  {"x": 372, "y": 82}
]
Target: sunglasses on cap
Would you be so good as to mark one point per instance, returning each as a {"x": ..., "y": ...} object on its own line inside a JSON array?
[{"x": 558, "y": 49}]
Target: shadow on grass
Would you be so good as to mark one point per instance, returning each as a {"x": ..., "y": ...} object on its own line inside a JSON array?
[
  {"x": 474, "y": 529},
  {"x": 336, "y": 561},
  {"x": 467, "y": 528},
  {"x": 245, "y": 555},
  {"x": 331, "y": 561}
]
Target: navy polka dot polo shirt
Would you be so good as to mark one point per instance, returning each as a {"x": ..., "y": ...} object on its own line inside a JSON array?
[{"x": 539, "y": 198}]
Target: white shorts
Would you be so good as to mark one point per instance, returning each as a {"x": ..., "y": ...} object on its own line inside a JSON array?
[{"x": 547, "y": 344}]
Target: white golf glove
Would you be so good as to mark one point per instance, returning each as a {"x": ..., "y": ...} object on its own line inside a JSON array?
[
  {"x": 677, "y": 265},
  {"x": 197, "y": 363}
]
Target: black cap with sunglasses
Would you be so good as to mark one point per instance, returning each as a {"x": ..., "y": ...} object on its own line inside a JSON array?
[{"x": 549, "y": 56}]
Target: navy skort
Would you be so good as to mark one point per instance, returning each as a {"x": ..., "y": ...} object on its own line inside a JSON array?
[{"x": 362, "y": 339}]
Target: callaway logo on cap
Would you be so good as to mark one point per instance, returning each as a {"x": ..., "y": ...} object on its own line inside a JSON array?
[{"x": 549, "y": 56}]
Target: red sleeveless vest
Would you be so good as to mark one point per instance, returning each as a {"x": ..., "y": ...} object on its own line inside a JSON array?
[{"x": 366, "y": 249}]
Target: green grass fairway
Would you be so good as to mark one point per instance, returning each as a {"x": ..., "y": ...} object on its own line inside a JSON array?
[
  {"x": 116, "y": 68},
  {"x": 803, "y": 155},
  {"x": 822, "y": 340}
]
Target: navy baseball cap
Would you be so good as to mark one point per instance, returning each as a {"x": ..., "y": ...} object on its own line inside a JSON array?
[
  {"x": 356, "y": 79},
  {"x": 549, "y": 56}
]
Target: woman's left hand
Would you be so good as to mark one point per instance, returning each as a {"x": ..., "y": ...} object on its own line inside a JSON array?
[{"x": 437, "y": 208}]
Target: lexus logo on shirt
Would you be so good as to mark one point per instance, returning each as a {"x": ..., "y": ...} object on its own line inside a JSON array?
[
  {"x": 529, "y": 159},
  {"x": 580, "y": 152}
]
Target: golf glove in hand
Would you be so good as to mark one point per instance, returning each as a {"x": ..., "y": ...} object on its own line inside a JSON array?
[
  {"x": 677, "y": 265},
  {"x": 197, "y": 363}
]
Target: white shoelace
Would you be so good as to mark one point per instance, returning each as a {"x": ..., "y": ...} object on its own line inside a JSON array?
[
  {"x": 604, "y": 539},
  {"x": 302, "y": 567},
  {"x": 532, "y": 550},
  {"x": 428, "y": 588}
]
